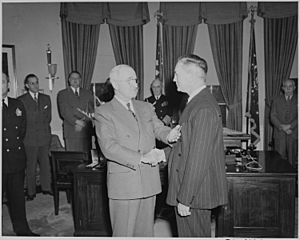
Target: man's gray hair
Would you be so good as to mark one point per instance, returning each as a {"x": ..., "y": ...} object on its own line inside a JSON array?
[{"x": 194, "y": 59}]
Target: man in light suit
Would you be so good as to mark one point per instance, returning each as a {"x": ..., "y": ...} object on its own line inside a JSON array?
[
  {"x": 14, "y": 159},
  {"x": 75, "y": 104},
  {"x": 126, "y": 131},
  {"x": 284, "y": 117},
  {"x": 197, "y": 181},
  {"x": 38, "y": 136}
]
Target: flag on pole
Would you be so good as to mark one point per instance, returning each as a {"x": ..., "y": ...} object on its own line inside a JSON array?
[
  {"x": 252, "y": 111},
  {"x": 159, "y": 73}
]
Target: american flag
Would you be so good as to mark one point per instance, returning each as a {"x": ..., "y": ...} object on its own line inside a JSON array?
[
  {"x": 252, "y": 111},
  {"x": 159, "y": 73}
]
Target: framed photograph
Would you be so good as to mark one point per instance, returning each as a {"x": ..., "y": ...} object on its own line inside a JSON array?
[{"x": 9, "y": 67}]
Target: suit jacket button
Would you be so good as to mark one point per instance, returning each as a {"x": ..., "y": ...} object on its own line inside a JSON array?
[
  {"x": 18, "y": 138},
  {"x": 7, "y": 150},
  {"x": 6, "y": 139},
  {"x": 16, "y": 127},
  {"x": 4, "y": 129},
  {"x": 179, "y": 154},
  {"x": 19, "y": 148}
]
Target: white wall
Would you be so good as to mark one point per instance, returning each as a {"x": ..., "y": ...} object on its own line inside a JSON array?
[{"x": 31, "y": 26}]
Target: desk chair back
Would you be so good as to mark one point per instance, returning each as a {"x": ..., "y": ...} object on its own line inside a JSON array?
[{"x": 62, "y": 165}]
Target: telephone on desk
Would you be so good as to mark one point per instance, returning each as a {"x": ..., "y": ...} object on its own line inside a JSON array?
[{"x": 243, "y": 159}]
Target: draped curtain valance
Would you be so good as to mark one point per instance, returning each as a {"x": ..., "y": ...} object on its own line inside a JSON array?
[
  {"x": 120, "y": 14},
  {"x": 191, "y": 13},
  {"x": 84, "y": 13},
  {"x": 277, "y": 9}
]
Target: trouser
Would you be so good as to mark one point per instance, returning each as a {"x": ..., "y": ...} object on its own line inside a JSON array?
[
  {"x": 132, "y": 218},
  {"x": 35, "y": 154},
  {"x": 198, "y": 224},
  {"x": 13, "y": 186},
  {"x": 287, "y": 147}
]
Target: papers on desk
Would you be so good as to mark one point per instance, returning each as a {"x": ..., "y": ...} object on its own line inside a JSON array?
[{"x": 234, "y": 133}]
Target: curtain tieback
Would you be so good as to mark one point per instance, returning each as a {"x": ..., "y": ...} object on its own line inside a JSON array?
[{"x": 234, "y": 105}]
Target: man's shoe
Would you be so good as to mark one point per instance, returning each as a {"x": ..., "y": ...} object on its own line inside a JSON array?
[
  {"x": 28, "y": 234},
  {"x": 30, "y": 197}
]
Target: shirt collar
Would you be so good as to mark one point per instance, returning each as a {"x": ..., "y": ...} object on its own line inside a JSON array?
[
  {"x": 194, "y": 93},
  {"x": 157, "y": 97},
  {"x": 32, "y": 94},
  {"x": 125, "y": 103},
  {"x": 74, "y": 89},
  {"x": 6, "y": 100},
  {"x": 288, "y": 96}
]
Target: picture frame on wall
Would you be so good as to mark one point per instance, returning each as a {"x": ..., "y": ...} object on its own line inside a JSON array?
[{"x": 9, "y": 67}]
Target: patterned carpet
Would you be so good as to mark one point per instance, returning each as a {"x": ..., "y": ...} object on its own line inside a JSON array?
[{"x": 41, "y": 218}]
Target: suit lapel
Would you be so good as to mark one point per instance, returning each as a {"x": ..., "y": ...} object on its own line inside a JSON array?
[{"x": 126, "y": 117}]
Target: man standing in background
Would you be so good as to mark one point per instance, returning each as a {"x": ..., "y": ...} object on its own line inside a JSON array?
[
  {"x": 284, "y": 117},
  {"x": 75, "y": 104},
  {"x": 160, "y": 102},
  {"x": 197, "y": 180},
  {"x": 38, "y": 136},
  {"x": 14, "y": 159}
]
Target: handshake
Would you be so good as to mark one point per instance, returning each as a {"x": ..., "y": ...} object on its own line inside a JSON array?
[{"x": 154, "y": 157}]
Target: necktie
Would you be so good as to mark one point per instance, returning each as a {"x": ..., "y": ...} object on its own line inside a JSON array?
[
  {"x": 35, "y": 98},
  {"x": 129, "y": 109},
  {"x": 76, "y": 92}
]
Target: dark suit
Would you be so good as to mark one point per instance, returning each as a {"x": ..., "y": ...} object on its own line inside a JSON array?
[
  {"x": 123, "y": 140},
  {"x": 285, "y": 112},
  {"x": 197, "y": 165},
  {"x": 13, "y": 163},
  {"x": 37, "y": 140},
  {"x": 162, "y": 109},
  {"x": 68, "y": 103}
]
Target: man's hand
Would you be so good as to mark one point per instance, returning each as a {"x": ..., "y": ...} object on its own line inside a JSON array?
[
  {"x": 154, "y": 157},
  {"x": 289, "y": 131},
  {"x": 174, "y": 134},
  {"x": 79, "y": 124},
  {"x": 183, "y": 210},
  {"x": 167, "y": 120},
  {"x": 285, "y": 127}
]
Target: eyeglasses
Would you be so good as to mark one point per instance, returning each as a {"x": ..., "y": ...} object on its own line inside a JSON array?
[{"x": 129, "y": 80}]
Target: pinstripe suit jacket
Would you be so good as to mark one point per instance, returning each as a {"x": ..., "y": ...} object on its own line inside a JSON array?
[
  {"x": 197, "y": 162},
  {"x": 123, "y": 140}
]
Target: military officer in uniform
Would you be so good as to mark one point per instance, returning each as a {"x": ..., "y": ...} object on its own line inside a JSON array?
[
  {"x": 161, "y": 105},
  {"x": 13, "y": 159}
]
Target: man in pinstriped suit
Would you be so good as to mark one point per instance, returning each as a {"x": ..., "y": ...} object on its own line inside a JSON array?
[{"x": 197, "y": 181}]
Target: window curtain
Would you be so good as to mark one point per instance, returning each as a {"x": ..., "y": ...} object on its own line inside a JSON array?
[
  {"x": 225, "y": 27},
  {"x": 80, "y": 35},
  {"x": 280, "y": 40},
  {"x": 226, "y": 42},
  {"x": 179, "y": 23},
  {"x": 126, "y": 22}
]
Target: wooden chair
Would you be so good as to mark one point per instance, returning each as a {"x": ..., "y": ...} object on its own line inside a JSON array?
[{"x": 62, "y": 164}]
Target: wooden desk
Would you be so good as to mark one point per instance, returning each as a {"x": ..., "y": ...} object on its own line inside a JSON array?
[
  {"x": 235, "y": 140},
  {"x": 90, "y": 203},
  {"x": 261, "y": 204}
]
